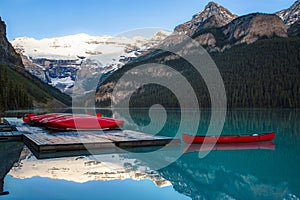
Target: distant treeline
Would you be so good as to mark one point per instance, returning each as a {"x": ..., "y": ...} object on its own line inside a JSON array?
[
  {"x": 13, "y": 96},
  {"x": 264, "y": 74}
]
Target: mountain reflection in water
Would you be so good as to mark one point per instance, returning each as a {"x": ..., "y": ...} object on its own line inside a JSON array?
[{"x": 85, "y": 168}]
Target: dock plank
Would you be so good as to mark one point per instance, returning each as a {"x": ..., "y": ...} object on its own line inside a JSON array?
[
  {"x": 7, "y": 128},
  {"x": 11, "y": 135}
]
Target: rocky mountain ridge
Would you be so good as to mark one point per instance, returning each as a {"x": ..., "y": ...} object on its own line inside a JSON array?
[
  {"x": 217, "y": 29},
  {"x": 215, "y": 15},
  {"x": 290, "y": 15},
  {"x": 245, "y": 29}
]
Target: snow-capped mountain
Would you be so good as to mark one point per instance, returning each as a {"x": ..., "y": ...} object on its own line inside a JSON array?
[
  {"x": 56, "y": 60},
  {"x": 291, "y": 15},
  {"x": 212, "y": 15}
]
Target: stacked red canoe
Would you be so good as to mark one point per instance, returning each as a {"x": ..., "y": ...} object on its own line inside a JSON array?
[{"x": 66, "y": 122}]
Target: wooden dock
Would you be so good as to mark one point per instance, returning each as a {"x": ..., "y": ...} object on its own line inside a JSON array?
[
  {"x": 11, "y": 135},
  {"x": 44, "y": 143}
]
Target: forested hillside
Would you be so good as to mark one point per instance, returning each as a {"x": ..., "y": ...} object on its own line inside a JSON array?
[
  {"x": 264, "y": 74},
  {"x": 13, "y": 96}
]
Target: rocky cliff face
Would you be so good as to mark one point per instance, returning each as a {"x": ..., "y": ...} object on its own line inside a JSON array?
[
  {"x": 8, "y": 55},
  {"x": 246, "y": 29},
  {"x": 249, "y": 28},
  {"x": 214, "y": 15},
  {"x": 291, "y": 15}
]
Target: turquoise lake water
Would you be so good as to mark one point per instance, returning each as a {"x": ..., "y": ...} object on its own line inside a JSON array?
[{"x": 258, "y": 171}]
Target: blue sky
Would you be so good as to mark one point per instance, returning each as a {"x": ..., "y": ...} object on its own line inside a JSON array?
[{"x": 48, "y": 18}]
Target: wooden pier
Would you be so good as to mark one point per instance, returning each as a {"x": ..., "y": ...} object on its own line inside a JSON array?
[
  {"x": 44, "y": 143},
  {"x": 11, "y": 135}
]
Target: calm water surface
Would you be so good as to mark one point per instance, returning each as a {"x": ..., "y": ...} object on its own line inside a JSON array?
[{"x": 258, "y": 171}]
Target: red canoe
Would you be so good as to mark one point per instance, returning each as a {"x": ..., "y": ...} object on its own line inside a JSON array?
[
  {"x": 44, "y": 121},
  {"x": 32, "y": 118},
  {"x": 228, "y": 138},
  {"x": 84, "y": 123},
  {"x": 27, "y": 117}
]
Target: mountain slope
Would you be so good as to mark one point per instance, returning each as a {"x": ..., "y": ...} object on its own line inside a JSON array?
[
  {"x": 39, "y": 92},
  {"x": 291, "y": 15}
]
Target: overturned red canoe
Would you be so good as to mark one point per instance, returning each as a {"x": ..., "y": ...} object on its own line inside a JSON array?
[
  {"x": 84, "y": 123},
  {"x": 44, "y": 121},
  {"x": 32, "y": 118},
  {"x": 28, "y": 116},
  {"x": 190, "y": 139}
]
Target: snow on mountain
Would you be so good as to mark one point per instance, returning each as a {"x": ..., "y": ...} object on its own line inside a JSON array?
[
  {"x": 74, "y": 46},
  {"x": 291, "y": 15},
  {"x": 56, "y": 60}
]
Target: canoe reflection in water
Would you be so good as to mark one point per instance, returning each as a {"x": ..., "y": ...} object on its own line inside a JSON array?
[{"x": 229, "y": 146}]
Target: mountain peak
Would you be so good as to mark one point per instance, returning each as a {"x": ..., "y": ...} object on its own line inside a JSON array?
[
  {"x": 212, "y": 5},
  {"x": 214, "y": 9},
  {"x": 221, "y": 16}
]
